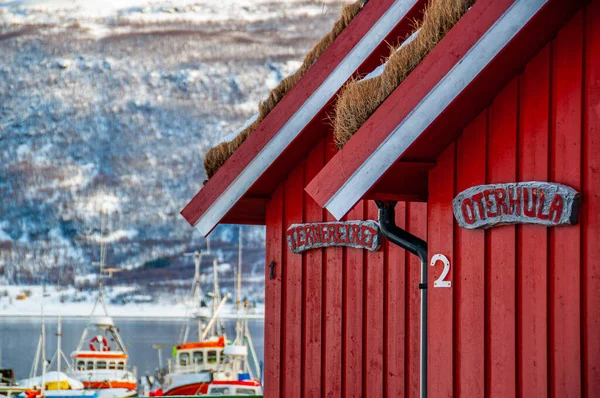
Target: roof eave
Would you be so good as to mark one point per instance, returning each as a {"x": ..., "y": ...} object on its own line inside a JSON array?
[{"x": 345, "y": 180}]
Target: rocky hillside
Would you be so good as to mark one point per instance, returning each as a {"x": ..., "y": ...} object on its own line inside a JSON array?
[{"x": 111, "y": 105}]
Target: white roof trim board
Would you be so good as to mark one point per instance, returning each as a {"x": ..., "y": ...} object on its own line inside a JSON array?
[
  {"x": 434, "y": 103},
  {"x": 367, "y": 44}
]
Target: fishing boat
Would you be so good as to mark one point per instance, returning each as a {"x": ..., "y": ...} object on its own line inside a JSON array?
[
  {"x": 55, "y": 384},
  {"x": 237, "y": 375},
  {"x": 191, "y": 369},
  {"x": 213, "y": 363},
  {"x": 100, "y": 360}
]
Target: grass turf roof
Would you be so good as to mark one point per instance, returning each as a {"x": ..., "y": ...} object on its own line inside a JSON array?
[
  {"x": 217, "y": 156},
  {"x": 359, "y": 99}
]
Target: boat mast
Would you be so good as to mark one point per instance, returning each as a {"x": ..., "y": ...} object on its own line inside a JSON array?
[
  {"x": 196, "y": 291},
  {"x": 215, "y": 317},
  {"x": 216, "y": 295},
  {"x": 43, "y": 354},
  {"x": 34, "y": 366},
  {"x": 250, "y": 343},
  {"x": 197, "y": 295},
  {"x": 113, "y": 330},
  {"x": 239, "y": 326},
  {"x": 239, "y": 271},
  {"x": 58, "y": 349},
  {"x": 101, "y": 264}
]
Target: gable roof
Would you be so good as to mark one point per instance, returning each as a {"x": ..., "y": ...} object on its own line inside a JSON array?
[
  {"x": 239, "y": 191},
  {"x": 458, "y": 79}
]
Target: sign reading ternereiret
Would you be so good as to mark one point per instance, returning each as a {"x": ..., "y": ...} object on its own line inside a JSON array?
[
  {"x": 359, "y": 234},
  {"x": 532, "y": 202}
]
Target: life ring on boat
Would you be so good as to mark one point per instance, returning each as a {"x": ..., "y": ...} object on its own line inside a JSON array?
[{"x": 102, "y": 344}]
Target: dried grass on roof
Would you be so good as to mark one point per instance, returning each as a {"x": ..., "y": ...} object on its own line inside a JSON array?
[
  {"x": 359, "y": 99},
  {"x": 218, "y": 155}
]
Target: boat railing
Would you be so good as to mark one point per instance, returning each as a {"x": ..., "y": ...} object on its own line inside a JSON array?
[
  {"x": 107, "y": 373},
  {"x": 174, "y": 367}
]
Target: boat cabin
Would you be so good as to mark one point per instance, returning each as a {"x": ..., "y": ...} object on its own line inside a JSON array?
[
  {"x": 193, "y": 357},
  {"x": 475, "y": 156},
  {"x": 100, "y": 360},
  {"x": 103, "y": 363},
  {"x": 237, "y": 388}
]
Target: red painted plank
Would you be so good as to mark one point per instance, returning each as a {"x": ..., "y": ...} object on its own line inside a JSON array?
[
  {"x": 395, "y": 303},
  {"x": 565, "y": 316},
  {"x": 416, "y": 222},
  {"x": 534, "y": 92},
  {"x": 353, "y": 315},
  {"x": 332, "y": 296},
  {"x": 468, "y": 273},
  {"x": 290, "y": 104},
  {"x": 501, "y": 167},
  {"x": 440, "y": 241},
  {"x": 313, "y": 287},
  {"x": 374, "y": 317},
  {"x": 274, "y": 248},
  {"x": 292, "y": 290},
  {"x": 591, "y": 205}
]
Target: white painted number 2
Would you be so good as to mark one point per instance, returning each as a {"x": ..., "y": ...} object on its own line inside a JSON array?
[{"x": 440, "y": 282}]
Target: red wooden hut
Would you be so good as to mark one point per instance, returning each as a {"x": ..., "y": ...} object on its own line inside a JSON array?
[{"x": 510, "y": 95}]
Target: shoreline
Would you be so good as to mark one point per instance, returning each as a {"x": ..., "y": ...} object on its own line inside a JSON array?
[
  {"x": 77, "y": 316},
  {"x": 166, "y": 318}
]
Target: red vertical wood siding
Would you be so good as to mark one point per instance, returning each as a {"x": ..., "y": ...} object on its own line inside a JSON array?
[
  {"x": 313, "y": 288},
  {"x": 416, "y": 223},
  {"x": 532, "y": 274},
  {"x": 275, "y": 242},
  {"x": 522, "y": 317},
  {"x": 591, "y": 205},
  {"x": 353, "y": 315},
  {"x": 374, "y": 317},
  {"x": 565, "y": 255},
  {"x": 394, "y": 308},
  {"x": 501, "y": 167},
  {"x": 469, "y": 279},
  {"x": 332, "y": 295},
  {"x": 292, "y": 288},
  {"x": 340, "y": 322},
  {"x": 440, "y": 332}
]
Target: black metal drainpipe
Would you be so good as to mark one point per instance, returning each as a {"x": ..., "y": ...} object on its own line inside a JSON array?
[{"x": 418, "y": 247}]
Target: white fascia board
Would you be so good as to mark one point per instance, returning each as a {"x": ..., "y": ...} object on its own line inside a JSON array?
[
  {"x": 434, "y": 103},
  {"x": 367, "y": 44}
]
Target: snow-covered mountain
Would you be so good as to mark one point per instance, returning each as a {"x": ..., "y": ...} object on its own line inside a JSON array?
[{"x": 110, "y": 105}]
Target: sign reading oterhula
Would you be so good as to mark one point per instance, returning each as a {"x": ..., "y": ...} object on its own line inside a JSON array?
[
  {"x": 359, "y": 234},
  {"x": 532, "y": 202}
]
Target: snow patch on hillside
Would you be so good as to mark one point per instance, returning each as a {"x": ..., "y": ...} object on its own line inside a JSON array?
[
  {"x": 100, "y": 17},
  {"x": 114, "y": 236},
  {"x": 101, "y": 202}
]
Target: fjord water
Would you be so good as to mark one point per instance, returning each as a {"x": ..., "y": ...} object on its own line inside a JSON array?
[{"x": 19, "y": 337}]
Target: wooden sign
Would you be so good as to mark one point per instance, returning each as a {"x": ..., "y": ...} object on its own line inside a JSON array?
[
  {"x": 532, "y": 202},
  {"x": 359, "y": 234}
]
